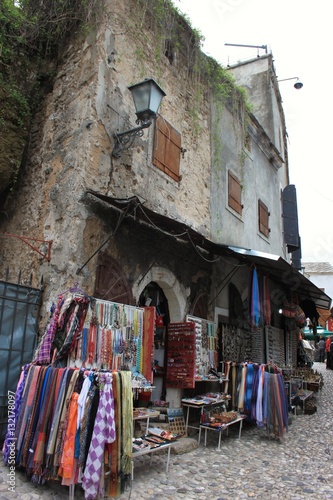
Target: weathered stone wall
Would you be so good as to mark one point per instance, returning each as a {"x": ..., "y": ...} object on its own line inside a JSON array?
[{"x": 71, "y": 144}]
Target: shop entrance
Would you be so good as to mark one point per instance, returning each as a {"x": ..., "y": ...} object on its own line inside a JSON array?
[{"x": 153, "y": 295}]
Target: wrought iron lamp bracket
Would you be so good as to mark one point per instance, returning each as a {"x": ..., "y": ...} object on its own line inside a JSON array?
[{"x": 124, "y": 140}]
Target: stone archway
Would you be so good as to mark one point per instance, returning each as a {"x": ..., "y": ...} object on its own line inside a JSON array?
[{"x": 173, "y": 290}]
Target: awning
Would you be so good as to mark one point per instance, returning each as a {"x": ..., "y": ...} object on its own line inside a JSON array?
[
  {"x": 135, "y": 209},
  {"x": 273, "y": 266},
  {"x": 281, "y": 271},
  {"x": 321, "y": 332}
]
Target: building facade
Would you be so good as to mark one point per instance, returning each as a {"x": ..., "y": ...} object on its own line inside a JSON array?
[{"x": 181, "y": 218}]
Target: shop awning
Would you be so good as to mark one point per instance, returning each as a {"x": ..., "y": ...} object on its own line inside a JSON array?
[
  {"x": 281, "y": 271},
  {"x": 321, "y": 332},
  {"x": 273, "y": 266}
]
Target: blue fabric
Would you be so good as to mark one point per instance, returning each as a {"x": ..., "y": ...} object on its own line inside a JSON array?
[
  {"x": 248, "y": 387},
  {"x": 255, "y": 299}
]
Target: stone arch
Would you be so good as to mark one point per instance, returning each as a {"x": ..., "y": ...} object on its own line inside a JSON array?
[{"x": 175, "y": 293}]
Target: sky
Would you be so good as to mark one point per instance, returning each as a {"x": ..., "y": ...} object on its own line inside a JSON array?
[{"x": 297, "y": 34}]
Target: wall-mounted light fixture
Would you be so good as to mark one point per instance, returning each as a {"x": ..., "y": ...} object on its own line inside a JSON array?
[
  {"x": 298, "y": 85},
  {"x": 147, "y": 97}
]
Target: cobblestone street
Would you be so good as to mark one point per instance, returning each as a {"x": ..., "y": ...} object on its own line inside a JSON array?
[{"x": 297, "y": 467}]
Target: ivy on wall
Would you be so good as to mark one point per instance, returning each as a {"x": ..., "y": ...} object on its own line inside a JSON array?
[{"x": 33, "y": 34}]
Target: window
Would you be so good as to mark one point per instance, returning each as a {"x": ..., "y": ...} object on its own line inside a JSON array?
[
  {"x": 263, "y": 216},
  {"x": 234, "y": 193},
  {"x": 167, "y": 148}
]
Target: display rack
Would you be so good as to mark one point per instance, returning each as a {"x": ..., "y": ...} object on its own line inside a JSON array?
[
  {"x": 151, "y": 451},
  {"x": 201, "y": 404},
  {"x": 220, "y": 429},
  {"x": 181, "y": 356}
]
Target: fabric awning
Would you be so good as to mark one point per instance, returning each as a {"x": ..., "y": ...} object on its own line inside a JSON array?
[
  {"x": 271, "y": 265},
  {"x": 281, "y": 271}
]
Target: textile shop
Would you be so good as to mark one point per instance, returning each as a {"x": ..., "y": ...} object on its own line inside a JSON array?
[{"x": 74, "y": 401}]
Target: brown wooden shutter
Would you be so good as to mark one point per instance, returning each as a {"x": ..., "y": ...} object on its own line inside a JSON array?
[
  {"x": 111, "y": 283},
  {"x": 167, "y": 145},
  {"x": 234, "y": 193},
  {"x": 263, "y": 214}
]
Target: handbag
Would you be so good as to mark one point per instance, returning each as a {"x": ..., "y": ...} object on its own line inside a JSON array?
[
  {"x": 159, "y": 321},
  {"x": 289, "y": 309},
  {"x": 300, "y": 317},
  {"x": 159, "y": 318}
]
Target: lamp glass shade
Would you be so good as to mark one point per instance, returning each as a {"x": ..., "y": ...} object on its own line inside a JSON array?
[{"x": 147, "y": 97}]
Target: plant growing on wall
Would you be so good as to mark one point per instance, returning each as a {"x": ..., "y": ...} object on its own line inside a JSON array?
[
  {"x": 33, "y": 34},
  {"x": 173, "y": 33}
]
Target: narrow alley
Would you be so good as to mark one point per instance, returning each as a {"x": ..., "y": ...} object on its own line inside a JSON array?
[{"x": 297, "y": 467}]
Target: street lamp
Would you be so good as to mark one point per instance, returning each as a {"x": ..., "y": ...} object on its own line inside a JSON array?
[
  {"x": 147, "y": 97},
  {"x": 298, "y": 85}
]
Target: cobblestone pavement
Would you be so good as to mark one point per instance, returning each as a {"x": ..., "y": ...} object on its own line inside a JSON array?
[{"x": 299, "y": 466}]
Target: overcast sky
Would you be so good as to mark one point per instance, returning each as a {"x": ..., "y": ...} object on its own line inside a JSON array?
[{"x": 298, "y": 35}]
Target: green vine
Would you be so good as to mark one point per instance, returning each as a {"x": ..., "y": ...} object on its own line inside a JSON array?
[
  {"x": 33, "y": 35},
  {"x": 172, "y": 28}
]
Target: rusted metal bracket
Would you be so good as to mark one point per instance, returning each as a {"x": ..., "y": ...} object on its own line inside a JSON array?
[{"x": 26, "y": 240}]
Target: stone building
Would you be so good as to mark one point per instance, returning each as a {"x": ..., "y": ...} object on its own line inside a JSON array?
[{"x": 183, "y": 216}]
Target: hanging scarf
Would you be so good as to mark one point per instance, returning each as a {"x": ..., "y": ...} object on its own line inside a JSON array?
[
  {"x": 67, "y": 468},
  {"x": 266, "y": 302},
  {"x": 104, "y": 432},
  {"x": 127, "y": 426},
  {"x": 255, "y": 299},
  {"x": 248, "y": 388},
  {"x": 147, "y": 343}
]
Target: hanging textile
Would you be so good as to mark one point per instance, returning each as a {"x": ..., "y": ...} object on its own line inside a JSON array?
[
  {"x": 65, "y": 324},
  {"x": 266, "y": 301},
  {"x": 255, "y": 298},
  {"x": 120, "y": 451},
  {"x": 104, "y": 432},
  {"x": 69, "y": 428},
  {"x": 258, "y": 392},
  {"x": 148, "y": 342}
]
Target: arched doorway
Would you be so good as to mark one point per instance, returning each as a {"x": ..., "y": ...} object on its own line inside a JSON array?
[{"x": 153, "y": 295}]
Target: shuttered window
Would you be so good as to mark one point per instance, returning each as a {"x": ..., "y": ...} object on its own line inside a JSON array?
[
  {"x": 263, "y": 215},
  {"x": 167, "y": 148},
  {"x": 234, "y": 193}
]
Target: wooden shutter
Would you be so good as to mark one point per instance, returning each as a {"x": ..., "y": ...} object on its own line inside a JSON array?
[
  {"x": 263, "y": 218},
  {"x": 111, "y": 283},
  {"x": 234, "y": 193},
  {"x": 290, "y": 218},
  {"x": 167, "y": 145}
]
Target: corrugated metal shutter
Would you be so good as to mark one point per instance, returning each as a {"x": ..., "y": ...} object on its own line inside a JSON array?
[
  {"x": 290, "y": 218},
  {"x": 234, "y": 193},
  {"x": 167, "y": 148}
]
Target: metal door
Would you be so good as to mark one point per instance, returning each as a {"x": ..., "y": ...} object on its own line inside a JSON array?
[{"x": 19, "y": 312}]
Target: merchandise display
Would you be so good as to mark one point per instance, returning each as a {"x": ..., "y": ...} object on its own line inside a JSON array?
[
  {"x": 258, "y": 391},
  {"x": 74, "y": 402},
  {"x": 68, "y": 419}
]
